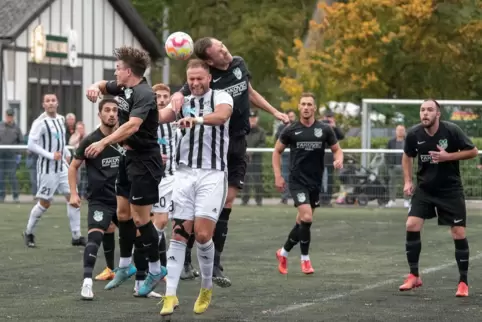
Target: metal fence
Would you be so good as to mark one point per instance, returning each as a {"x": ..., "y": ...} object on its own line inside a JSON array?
[{"x": 380, "y": 182}]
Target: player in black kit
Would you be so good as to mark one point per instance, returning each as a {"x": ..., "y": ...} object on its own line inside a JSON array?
[
  {"x": 307, "y": 140},
  {"x": 101, "y": 175},
  {"x": 141, "y": 170},
  {"x": 438, "y": 146},
  {"x": 231, "y": 75}
]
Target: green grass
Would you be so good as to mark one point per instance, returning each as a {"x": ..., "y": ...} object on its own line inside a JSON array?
[{"x": 352, "y": 250}]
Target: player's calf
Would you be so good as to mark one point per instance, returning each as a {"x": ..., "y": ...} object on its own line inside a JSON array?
[
  {"x": 305, "y": 218},
  {"x": 35, "y": 214},
  {"x": 94, "y": 239},
  {"x": 462, "y": 255}
]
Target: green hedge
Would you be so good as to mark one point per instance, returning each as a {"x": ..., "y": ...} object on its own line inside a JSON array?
[{"x": 470, "y": 174}]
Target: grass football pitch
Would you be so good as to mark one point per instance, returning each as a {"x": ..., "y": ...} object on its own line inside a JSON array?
[{"x": 358, "y": 255}]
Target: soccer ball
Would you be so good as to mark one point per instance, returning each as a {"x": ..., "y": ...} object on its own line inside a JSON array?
[{"x": 179, "y": 46}]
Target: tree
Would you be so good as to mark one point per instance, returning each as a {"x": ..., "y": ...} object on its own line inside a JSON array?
[
  {"x": 389, "y": 49},
  {"x": 253, "y": 29}
]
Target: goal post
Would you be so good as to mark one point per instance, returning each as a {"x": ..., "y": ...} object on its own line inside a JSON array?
[{"x": 366, "y": 120}]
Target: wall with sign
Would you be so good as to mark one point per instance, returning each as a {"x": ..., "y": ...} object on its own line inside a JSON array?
[{"x": 68, "y": 38}]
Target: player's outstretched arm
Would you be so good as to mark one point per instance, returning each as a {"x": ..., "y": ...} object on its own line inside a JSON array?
[
  {"x": 101, "y": 88},
  {"x": 167, "y": 115},
  {"x": 260, "y": 102},
  {"x": 123, "y": 132}
]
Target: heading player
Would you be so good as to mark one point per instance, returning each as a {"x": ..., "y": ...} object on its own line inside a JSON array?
[
  {"x": 231, "y": 74},
  {"x": 101, "y": 175},
  {"x": 141, "y": 170},
  {"x": 438, "y": 147},
  {"x": 307, "y": 140},
  {"x": 47, "y": 139},
  {"x": 200, "y": 185}
]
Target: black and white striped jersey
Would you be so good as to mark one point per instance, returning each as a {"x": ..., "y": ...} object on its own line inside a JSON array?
[
  {"x": 169, "y": 136},
  {"x": 46, "y": 137},
  {"x": 204, "y": 146}
]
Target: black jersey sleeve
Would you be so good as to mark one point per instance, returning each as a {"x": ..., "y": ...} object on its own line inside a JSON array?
[
  {"x": 112, "y": 88},
  {"x": 244, "y": 66},
  {"x": 285, "y": 136},
  {"x": 463, "y": 141},
  {"x": 144, "y": 101},
  {"x": 79, "y": 153},
  {"x": 410, "y": 147},
  {"x": 331, "y": 139}
]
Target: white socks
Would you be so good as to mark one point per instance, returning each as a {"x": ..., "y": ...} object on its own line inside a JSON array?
[
  {"x": 74, "y": 218},
  {"x": 175, "y": 264},
  {"x": 205, "y": 256},
  {"x": 35, "y": 214}
]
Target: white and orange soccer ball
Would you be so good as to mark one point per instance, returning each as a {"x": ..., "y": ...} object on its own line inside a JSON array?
[{"x": 179, "y": 46}]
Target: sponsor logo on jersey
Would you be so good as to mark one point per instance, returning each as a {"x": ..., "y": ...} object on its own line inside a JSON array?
[{"x": 112, "y": 162}]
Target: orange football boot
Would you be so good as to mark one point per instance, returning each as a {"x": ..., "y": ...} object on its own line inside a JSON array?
[
  {"x": 462, "y": 290},
  {"x": 306, "y": 267},
  {"x": 282, "y": 263},
  {"x": 106, "y": 275},
  {"x": 411, "y": 282}
]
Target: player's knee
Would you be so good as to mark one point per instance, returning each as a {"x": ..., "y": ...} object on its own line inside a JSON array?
[
  {"x": 160, "y": 220},
  {"x": 111, "y": 228},
  {"x": 203, "y": 236},
  {"x": 305, "y": 213},
  {"x": 123, "y": 209},
  {"x": 414, "y": 224},
  {"x": 181, "y": 230},
  {"x": 232, "y": 193},
  {"x": 95, "y": 236},
  {"x": 44, "y": 203},
  {"x": 457, "y": 232}
]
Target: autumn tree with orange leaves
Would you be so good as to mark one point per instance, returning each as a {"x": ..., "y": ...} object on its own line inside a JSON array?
[{"x": 387, "y": 49}]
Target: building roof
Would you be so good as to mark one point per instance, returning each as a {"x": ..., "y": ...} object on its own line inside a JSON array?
[{"x": 16, "y": 16}]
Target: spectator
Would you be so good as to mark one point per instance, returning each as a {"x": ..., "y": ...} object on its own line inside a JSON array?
[
  {"x": 10, "y": 134},
  {"x": 394, "y": 166},
  {"x": 285, "y": 158},
  {"x": 254, "y": 174},
  {"x": 70, "y": 126},
  {"x": 329, "y": 175}
]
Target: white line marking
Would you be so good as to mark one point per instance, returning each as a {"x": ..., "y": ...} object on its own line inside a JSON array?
[{"x": 368, "y": 287}]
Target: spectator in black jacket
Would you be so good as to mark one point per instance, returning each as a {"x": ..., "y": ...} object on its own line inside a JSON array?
[{"x": 328, "y": 175}]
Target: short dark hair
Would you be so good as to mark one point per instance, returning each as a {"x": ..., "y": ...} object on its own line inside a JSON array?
[
  {"x": 433, "y": 100},
  {"x": 308, "y": 94},
  {"x": 195, "y": 63},
  {"x": 136, "y": 59},
  {"x": 43, "y": 97},
  {"x": 105, "y": 101},
  {"x": 201, "y": 46}
]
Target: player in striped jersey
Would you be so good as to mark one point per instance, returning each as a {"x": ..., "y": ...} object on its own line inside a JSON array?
[
  {"x": 47, "y": 139},
  {"x": 200, "y": 183}
]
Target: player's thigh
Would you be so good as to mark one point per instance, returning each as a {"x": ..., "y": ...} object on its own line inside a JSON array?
[
  {"x": 100, "y": 216},
  {"x": 144, "y": 173},
  {"x": 63, "y": 187},
  {"x": 300, "y": 194},
  {"x": 164, "y": 203},
  {"x": 421, "y": 206},
  {"x": 183, "y": 194},
  {"x": 122, "y": 184},
  {"x": 237, "y": 163},
  {"x": 211, "y": 190},
  {"x": 47, "y": 185},
  {"x": 451, "y": 210}
]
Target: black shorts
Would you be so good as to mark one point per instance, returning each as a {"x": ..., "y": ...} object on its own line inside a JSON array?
[
  {"x": 100, "y": 215},
  {"x": 449, "y": 209},
  {"x": 303, "y": 195},
  {"x": 237, "y": 161},
  {"x": 139, "y": 177}
]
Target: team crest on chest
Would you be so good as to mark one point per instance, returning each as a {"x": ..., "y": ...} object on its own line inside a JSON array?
[
  {"x": 237, "y": 72},
  {"x": 301, "y": 197},
  {"x": 443, "y": 143},
  {"x": 128, "y": 92},
  {"x": 98, "y": 216},
  {"x": 318, "y": 133}
]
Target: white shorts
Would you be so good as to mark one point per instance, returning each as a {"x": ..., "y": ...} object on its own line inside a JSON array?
[
  {"x": 199, "y": 193},
  {"x": 165, "y": 203},
  {"x": 49, "y": 183}
]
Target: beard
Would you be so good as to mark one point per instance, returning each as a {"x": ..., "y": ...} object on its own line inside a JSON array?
[{"x": 109, "y": 125}]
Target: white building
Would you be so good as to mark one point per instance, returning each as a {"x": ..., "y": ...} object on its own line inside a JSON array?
[{"x": 63, "y": 46}]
